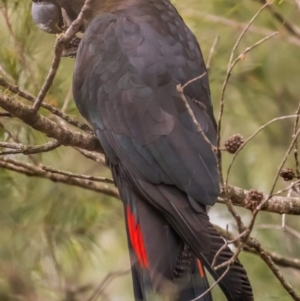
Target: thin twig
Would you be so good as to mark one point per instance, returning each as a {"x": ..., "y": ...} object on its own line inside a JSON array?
[
  {"x": 95, "y": 156},
  {"x": 283, "y": 218},
  {"x": 288, "y": 229},
  {"x": 19, "y": 46},
  {"x": 239, "y": 25},
  {"x": 108, "y": 278},
  {"x": 211, "y": 52},
  {"x": 79, "y": 176},
  {"x": 67, "y": 100},
  {"x": 17, "y": 140},
  {"x": 238, "y": 196},
  {"x": 45, "y": 125},
  {"x": 292, "y": 29},
  {"x": 228, "y": 74},
  {"x": 36, "y": 171},
  {"x": 227, "y": 242},
  {"x": 250, "y": 138},
  {"x": 233, "y": 258},
  {"x": 59, "y": 46},
  {"x": 180, "y": 89},
  {"x": 213, "y": 285},
  {"x": 16, "y": 90},
  {"x": 296, "y": 124},
  {"x": 283, "y": 162},
  {"x": 19, "y": 148},
  {"x": 268, "y": 260},
  {"x": 274, "y": 204},
  {"x": 288, "y": 189},
  {"x": 258, "y": 208},
  {"x": 230, "y": 67},
  {"x": 222, "y": 102},
  {"x": 278, "y": 259}
]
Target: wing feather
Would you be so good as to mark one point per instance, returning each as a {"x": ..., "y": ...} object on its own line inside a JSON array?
[{"x": 133, "y": 96}]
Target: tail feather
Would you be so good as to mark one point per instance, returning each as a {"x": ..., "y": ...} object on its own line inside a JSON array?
[
  {"x": 195, "y": 228},
  {"x": 167, "y": 224},
  {"x": 163, "y": 266}
]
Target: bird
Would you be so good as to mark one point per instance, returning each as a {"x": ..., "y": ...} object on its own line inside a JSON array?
[{"x": 133, "y": 57}]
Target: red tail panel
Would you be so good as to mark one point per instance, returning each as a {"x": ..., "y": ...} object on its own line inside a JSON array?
[
  {"x": 201, "y": 271},
  {"x": 136, "y": 239}
]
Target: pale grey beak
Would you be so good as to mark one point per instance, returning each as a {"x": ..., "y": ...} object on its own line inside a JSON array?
[{"x": 47, "y": 16}]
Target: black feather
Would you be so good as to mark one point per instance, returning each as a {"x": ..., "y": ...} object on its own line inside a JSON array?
[{"x": 128, "y": 66}]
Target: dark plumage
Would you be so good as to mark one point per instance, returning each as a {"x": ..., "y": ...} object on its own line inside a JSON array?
[{"x": 132, "y": 56}]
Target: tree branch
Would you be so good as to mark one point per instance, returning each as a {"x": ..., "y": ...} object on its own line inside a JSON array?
[
  {"x": 287, "y": 262},
  {"x": 238, "y": 25},
  {"x": 231, "y": 63},
  {"x": 19, "y": 148},
  {"x": 238, "y": 196},
  {"x": 266, "y": 257},
  {"x": 294, "y": 30},
  {"x": 32, "y": 170},
  {"x": 73, "y": 175},
  {"x": 16, "y": 90},
  {"x": 95, "y": 156},
  {"x": 275, "y": 204},
  {"x": 59, "y": 46},
  {"x": 48, "y": 127}
]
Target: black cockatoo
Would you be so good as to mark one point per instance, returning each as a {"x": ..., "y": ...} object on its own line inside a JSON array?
[{"x": 132, "y": 57}]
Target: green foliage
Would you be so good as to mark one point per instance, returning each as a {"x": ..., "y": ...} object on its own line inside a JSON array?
[{"x": 57, "y": 240}]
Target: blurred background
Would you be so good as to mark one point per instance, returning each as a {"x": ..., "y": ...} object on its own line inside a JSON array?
[{"x": 64, "y": 243}]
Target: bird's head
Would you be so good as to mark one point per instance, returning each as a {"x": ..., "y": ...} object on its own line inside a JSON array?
[
  {"x": 54, "y": 16},
  {"x": 47, "y": 15}
]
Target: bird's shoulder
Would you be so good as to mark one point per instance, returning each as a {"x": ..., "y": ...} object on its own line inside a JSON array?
[{"x": 152, "y": 40}]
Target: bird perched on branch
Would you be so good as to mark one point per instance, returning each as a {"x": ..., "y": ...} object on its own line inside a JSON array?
[{"x": 132, "y": 57}]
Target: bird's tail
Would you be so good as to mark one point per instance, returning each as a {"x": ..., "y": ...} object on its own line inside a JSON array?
[
  {"x": 199, "y": 234},
  {"x": 163, "y": 266}
]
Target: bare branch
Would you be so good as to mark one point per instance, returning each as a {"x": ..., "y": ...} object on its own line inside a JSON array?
[
  {"x": 260, "y": 205},
  {"x": 59, "y": 46},
  {"x": 16, "y": 90},
  {"x": 95, "y": 156},
  {"x": 296, "y": 124},
  {"x": 238, "y": 25},
  {"x": 73, "y": 175},
  {"x": 270, "y": 263},
  {"x": 51, "y": 129},
  {"x": 37, "y": 171},
  {"x": 180, "y": 89},
  {"x": 274, "y": 204},
  {"x": 108, "y": 278},
  {"x": 251, "y": 137},
  {"x": 278, "y": 259},
  {"x": 238, "y": 196},
  {"x": 222, "y": 101},
  {"x": 67, "y": 100},
  {"x": 19, "y": 148},
  {"x": 211, "y": 52},
  {"x": 213, "y": 285},
  {"x": 292, "y": 29},
  {"x": 233, "y": 258},
  {"x": 286, "y": 229},
  {"x": 230, "y": 67}
]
